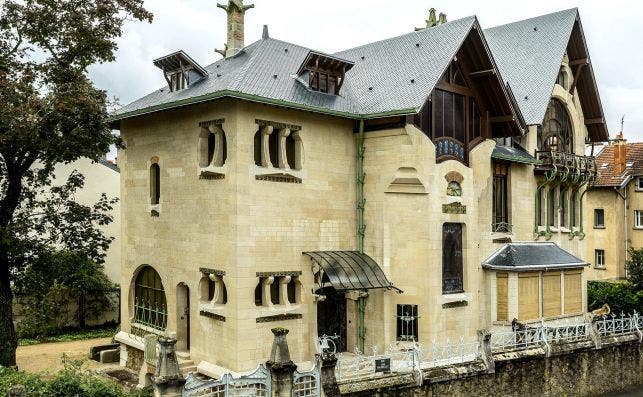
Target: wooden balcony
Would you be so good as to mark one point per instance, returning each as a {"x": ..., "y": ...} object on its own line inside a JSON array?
[{"x": 568, "y": 165}]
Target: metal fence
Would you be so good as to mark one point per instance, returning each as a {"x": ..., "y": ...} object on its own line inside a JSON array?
[{"x": 255, "y": 384}]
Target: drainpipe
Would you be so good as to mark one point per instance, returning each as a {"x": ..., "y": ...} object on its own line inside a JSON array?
[
  {"x": 361, "y": 232},
  {"x": 625, "y": 228}
]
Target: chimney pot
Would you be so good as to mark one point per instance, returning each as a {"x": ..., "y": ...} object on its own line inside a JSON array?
[
  {"x": 236, "y": 11},
  {"x": 265, "y": 34}
]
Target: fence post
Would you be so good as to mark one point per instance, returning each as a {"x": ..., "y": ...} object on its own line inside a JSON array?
[
  {"x": 281, "y": 367},
  {"x": 484, "y": 346},
  {"x": 328, "y": 380},
  {"x": 594, "y": 335},
  {"x": 167, "y": 380}
]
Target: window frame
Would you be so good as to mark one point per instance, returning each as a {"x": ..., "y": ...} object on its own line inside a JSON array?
[
  {"x": 452, "y": 270},
  {"x": 155, "y": 183},
  {"x": 638, "y": 219},
  {"x": 500, "y": 181},
  {"x": 639, "y": 184},
  {"x": 599, "y": 253},
  {"x": 600, "y": 211}
]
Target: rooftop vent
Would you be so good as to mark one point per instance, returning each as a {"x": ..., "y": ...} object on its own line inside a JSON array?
[
  {"x": 180, "y": 71},
  {"x": 325, "y": 72}
]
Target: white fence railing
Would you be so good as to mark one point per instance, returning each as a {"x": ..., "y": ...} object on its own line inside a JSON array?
[{"x": 414, "y": 358}]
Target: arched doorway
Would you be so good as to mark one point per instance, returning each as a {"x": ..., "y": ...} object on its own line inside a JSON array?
[
  {"x": 182, "y": 317},
  {"x": 331, "y": 316}
]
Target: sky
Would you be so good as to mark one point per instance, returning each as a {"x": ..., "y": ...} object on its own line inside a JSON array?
[{"x": 613, "y": 30}]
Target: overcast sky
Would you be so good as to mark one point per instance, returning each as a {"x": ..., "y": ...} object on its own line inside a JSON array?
[{"x": 613, "y": 29}]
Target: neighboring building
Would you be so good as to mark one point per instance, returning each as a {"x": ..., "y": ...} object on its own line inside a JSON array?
[
  {"x": 384, "y": 193},
  {"x": 615, "y": 209},
  {"x": 100, "y": 177}
]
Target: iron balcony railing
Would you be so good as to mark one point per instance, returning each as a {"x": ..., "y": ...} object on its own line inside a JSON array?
[
  {"x": 501, "y": 227},
  {"x": 569, "y": 163}
]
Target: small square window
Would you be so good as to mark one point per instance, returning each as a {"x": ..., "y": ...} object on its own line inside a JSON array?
[
  {"x": 638, "y": 219},
  {"x": 599, "y": 258},
  {"x": 407, "y": 322},
  {"x": 599, "y": 218}
]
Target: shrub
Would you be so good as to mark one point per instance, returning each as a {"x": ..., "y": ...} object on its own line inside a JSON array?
[
  {"x": 73, "y": 380},
  {"x": 622, "y": 297},
  {"x": 634, "y": 267}
]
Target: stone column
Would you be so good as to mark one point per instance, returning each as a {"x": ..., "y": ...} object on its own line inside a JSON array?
[
  {"x": 328, "y": 380},
  {"x": 281, "y": 156},
  {"x": 281, "y": 367},
  {"x": 265, "y": 145},
  {"x": 167, "y": 380}
]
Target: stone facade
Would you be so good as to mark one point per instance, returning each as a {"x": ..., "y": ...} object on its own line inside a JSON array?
[{"x": 241, "y": 220}]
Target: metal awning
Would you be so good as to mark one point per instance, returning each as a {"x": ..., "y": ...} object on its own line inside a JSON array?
[
  {"x": 351, "y": 270},
  {"x": 515, "y": 154}
]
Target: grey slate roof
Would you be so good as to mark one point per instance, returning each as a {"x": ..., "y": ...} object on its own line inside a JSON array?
[
  {"x": 532, "y": 256},
  {"x": 516, "y": 154},
  {"x": 378, "y": 83},
  {"x": 528, "y": 54}
]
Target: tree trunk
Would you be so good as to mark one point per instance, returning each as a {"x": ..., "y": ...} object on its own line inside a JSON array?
[{"x": 8, "y": 337}]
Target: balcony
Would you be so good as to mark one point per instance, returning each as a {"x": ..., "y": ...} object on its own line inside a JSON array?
[{"x": 565, "y": 164}]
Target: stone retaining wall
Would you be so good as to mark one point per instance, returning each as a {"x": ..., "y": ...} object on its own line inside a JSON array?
[{"x": 570, "y": 370}]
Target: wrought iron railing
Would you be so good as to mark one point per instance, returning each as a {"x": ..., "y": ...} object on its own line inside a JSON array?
[
  {"x": 150, "y": 314},
  {"x": 501, "y": 227},
  {"x": 614, "y": 325},
  {"x": 256, "y": 384},
  {"x": 572, "y": 164}
]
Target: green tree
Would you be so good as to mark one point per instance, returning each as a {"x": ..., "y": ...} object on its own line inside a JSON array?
[
  {"x": 50, "y": 112},
  {"x": 634, "y": 267}
]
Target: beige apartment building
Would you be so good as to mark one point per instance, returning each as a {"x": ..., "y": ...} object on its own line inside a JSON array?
[
  {"x": 615, "y": 205},
  {"x": 416, "y": 188}
]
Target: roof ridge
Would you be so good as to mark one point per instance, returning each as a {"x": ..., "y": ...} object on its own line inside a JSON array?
[
  {"x": 418, "y": 32},
  {"x": 533, "y": 18}
]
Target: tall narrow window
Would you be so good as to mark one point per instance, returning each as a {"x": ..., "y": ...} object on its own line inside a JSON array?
[
  {"x": 257, "y": 147},
  {"x": 563, "y": 207},
  {"x": 599, "y": 218},
  {"x": 452, "y": 280},
  {"x": 541, "y": 206},
  {"x": 500, "y": 197},
  {"x": 572, "y": 209},
  {"x": 407, "y": 323},
  {"x": 155, "y": 184},
  {"x": 474, "y": 120},
  {"x": 551, "y": 207}
]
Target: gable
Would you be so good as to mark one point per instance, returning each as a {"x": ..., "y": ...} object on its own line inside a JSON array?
[{"x": 529, "y": 54}]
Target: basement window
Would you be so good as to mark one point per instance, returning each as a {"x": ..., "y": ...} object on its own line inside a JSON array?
[{"x": 407, "y": 323}]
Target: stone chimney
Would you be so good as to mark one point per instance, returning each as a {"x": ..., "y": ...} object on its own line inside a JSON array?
[
  {"x": 620, "y": 154},
  {"x": 236, "y": 11},
  {"x": 442, "y": 18},
  {"x": 432, "y": 21}
]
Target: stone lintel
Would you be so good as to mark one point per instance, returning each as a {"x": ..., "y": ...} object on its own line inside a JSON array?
[
  {"x": 276, "y": 125},
  {"x": 279, "y": 317},
  {"x": 213, "y": 316},
  {"x": 207, "y": 270},
  {"x": 205, "y": 124},
  {"x": 292, "y": 273}
]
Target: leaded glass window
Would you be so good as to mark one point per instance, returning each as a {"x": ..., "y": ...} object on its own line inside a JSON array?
[{"x": 452, "y": 258}]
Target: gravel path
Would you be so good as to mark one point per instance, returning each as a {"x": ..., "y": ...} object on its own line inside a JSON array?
[{"x": 46, "y": 357}]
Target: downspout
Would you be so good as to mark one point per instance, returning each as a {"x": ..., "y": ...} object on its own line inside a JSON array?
[
  {"x": 625, "y": 228},
  {"x": 361, "y": 232}
]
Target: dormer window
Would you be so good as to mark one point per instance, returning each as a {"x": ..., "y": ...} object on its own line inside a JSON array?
[
  {"x": 324, "y": 73},
  {"x": 180, "y": 71}
]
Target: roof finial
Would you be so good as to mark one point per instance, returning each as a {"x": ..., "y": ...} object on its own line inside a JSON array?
[
  {"x": 265, "y": 34},
  {"x": 236, "y": 11}
]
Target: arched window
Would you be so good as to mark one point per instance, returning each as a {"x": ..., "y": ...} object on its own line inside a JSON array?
[
  {"x": 561, "y": 80},
  {"x": 155, "y": 184},
  {"x": 150, "y": 305},
  {"x": 556, "y": 133}
]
